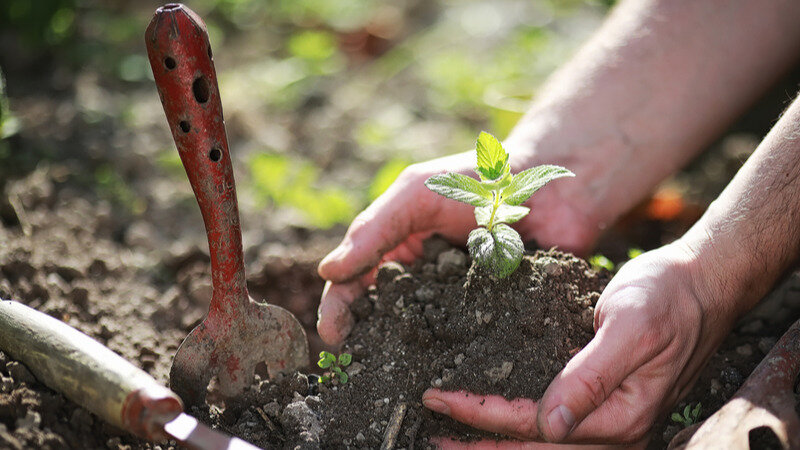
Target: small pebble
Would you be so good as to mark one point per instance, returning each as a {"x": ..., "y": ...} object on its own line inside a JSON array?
[
  {"x": 752, "y": 327},
  {"x": 437, "y": 383},
  {"x": 459, "y": 359},
  {"x": 360, "y": 437},
  {"x": 766, "y": 344},
  {"x": 716, "y": 386},
  {"x": 745, "y": 350}
]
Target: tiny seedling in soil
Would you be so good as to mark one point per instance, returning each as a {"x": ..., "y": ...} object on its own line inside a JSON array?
[
  {"x": 690, "y": 415},
  {"x": 601, "y": 262},
  {"x": 497, "y": 198},
  {"x": 335, "y": 365}
]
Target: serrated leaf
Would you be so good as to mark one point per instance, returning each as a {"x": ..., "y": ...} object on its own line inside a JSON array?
[
  {"x": 531, "y": 180},
  {"x": 460, "y": 188},
  {"x": 345, "y": 359},
  {"x": 499, "y": 250},
  {"x": 492, "y": 158},
  {"x": 504, "y": 214},
  {"x": 676, "y": 418}
]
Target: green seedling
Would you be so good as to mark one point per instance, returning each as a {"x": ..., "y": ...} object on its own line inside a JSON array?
[
  {"x": 634, "y": 252},
  {"x": 329, "y": 361},
  {"x": 497, "y": 198},
  {"x": 690, "y": 415},
  {"x": 601, "y": 262}
]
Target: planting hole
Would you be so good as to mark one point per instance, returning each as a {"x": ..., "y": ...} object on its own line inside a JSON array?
[
  {"x": 763, "y": 437},
  {"x": 185, "y": 127},
  {"x": 200, "y": 89},
  {"x": 215, "y": 154},
  {"x": 169, "y": 63}
]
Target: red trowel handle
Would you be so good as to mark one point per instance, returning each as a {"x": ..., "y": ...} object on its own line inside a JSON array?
[{"x": 180, "y": 56}]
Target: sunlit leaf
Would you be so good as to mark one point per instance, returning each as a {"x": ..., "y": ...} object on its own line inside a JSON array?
[
  {"x": 504, "y": 214},
  {"x": 460, "y": 188},
  {"x": 500, "y": 250},
  {"x": 492, "y": 158},
  {"x": 529, "y": 181}
]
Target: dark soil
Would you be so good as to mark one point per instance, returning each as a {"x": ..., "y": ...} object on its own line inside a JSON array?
[
  {"x": 441, "y": 325},
  {"x": 437, "y": 324}
]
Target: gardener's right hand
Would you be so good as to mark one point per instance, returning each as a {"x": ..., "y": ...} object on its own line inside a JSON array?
[{"x": 395, "y": 225}]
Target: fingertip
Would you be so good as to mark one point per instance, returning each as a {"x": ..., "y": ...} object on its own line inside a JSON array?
[
  {"x": 334, "y": 320},
  {"x": 330, "y": 268}
]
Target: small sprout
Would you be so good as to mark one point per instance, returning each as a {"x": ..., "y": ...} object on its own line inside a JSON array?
[
  {"x": 634, "y": 252},
  {"x": 328, "y": 360},
  {"x": 601, "y": 262},
  {"x": 690, "y": 415},
  {"x": 497, "y": 198}
]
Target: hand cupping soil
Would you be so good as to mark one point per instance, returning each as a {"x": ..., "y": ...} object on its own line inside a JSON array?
[{"x": 439, "y": 323}]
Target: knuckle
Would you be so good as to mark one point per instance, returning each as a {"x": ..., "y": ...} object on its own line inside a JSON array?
[
  {"x": 591, "y": 382},
  {"x": 525, "y": 428}
]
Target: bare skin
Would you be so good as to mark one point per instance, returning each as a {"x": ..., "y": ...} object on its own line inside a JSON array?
[{"x": 659, "y": 81}]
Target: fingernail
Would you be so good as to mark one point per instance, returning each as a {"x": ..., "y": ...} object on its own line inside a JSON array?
[
  {"x": 434, "y": 404},
  {"x": 335, "y": 255},
  {"x": 560, "y": 421}
]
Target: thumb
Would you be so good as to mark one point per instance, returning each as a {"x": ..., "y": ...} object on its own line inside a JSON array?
[
  {"x": 376, "y": 230},
  {"x": 586, "y": 381}
]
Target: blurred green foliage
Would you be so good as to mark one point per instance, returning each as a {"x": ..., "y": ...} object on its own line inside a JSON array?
[
  {"x": 385, "y": 177},
  {"x": 9, "y": 124},
  {"x": 286, "y": 182},
  {"x": 459, "y": 64}
]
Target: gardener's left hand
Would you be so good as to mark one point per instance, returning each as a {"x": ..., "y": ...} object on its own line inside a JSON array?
[{"x": 655, "y": 326}]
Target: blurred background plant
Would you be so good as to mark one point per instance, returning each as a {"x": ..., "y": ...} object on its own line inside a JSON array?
[{"x": 326, "y": 101}]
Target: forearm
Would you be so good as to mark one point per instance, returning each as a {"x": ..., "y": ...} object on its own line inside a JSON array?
[
  {"x": 751, "y": 233},
  {"x": 656, "y": 84}
]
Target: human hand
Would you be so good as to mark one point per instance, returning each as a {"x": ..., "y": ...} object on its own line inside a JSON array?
[
  {"x": 656, "y": 325},
  {"x": 396, "y": 224}
]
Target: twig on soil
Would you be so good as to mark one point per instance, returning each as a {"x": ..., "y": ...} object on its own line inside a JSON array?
[
  {"x": 16, "y": 206},
  {"x": 271, "y": 425},
  {"x": 393, "y": 429},
  {"x": 412, "y": 433}
]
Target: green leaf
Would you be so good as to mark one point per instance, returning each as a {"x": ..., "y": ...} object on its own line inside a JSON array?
[
  {"x": 324, "y": 378},
  {"x": 676, "y": 418},
  {"x": 336, "y": 370},
  {"x": 499, "y": 250},
  {"x": 504, "y": 214},
  {"x": 325, "y": 359},
  {"x": 529, "y": 181},
  {"x": 343, "y": 377},
  {"x": 460, "y": 188},
  {"x": 686, "y": 411},
  {"x": 601, "y": 262},
  {"x": 345, "y": 359},
  {"x": 634, "y": 252},
  {"x": 696, "y": 411},
  {"x": 492, "y": 158}
]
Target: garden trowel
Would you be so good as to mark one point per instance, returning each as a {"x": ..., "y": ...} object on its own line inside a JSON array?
[
  {"x": 103, "y": 382},
  {"x": 238, "y": 333}
]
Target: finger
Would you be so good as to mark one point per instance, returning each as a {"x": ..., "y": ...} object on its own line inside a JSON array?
[
  {"x": 452, "y": 444},
  {"x": 590, "y": 377},
  {"x": 334, "y": 320},
  {"x": 492, "y": 413},
  {"x": 381, "y": 227}
]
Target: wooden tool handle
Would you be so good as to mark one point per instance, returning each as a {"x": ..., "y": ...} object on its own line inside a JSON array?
[
  {"x": 180, "y": 56},
  {"x": 86, "y": 372}
]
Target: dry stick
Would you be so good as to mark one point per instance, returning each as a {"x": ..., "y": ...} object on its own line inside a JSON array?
[
  {"x": 22, "y": 217},
  {"x": 393, "y": 429},
  {"x": 412, "y": 433}
]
